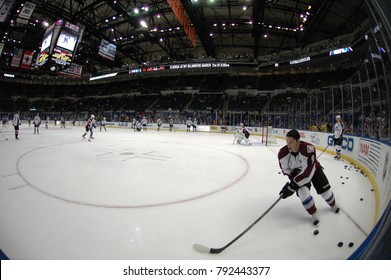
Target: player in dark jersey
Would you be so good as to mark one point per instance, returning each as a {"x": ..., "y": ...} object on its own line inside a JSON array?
[
  {"x": 89, "y": 127},
  {"x": 298, "y": 161}
]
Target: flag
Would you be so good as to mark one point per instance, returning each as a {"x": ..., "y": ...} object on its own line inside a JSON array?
[{"x": 27, "y": 58}]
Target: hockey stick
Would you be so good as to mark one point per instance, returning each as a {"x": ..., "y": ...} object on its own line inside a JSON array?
[
  {"x": 322, "y": 152},
  {"x": 236, "y": 136},
  {"x": 203, "y": 249},
  {"x": 6, "y": 139}
]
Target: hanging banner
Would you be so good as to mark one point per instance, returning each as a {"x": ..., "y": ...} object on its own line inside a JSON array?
[
  {"x": 27, "y": 58},
  {"x": 1, "y": 48},
  {"x": 17, "y": 57},
  {"x": 5, "y": 9},
  {"x": 74, "y": 71},
  {"x": 107, "y": 50},
  {"x": 25, "y": 13}
]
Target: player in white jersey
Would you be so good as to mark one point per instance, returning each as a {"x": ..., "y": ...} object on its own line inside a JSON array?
[
  {"x": 188, "y": 125},
  {"x": 339, "y": 128},
  {"x": 16, "y": 123},
  {"x": 62, "y": 122},
  {"x": 195, "y": 125},
  {"x": 242, "y": 134},
  {"x": 134, "y": 124},
  {"x": 297, "y": 160},
  {"x": 171, "y": 124},
  {"x": 47, "y": 122},
  {"x": 144, "y": 123},
  {"x": 103, "y": 124},
  {"x": 37, "y": 123},
  {"x": 159, "y": 124},
  {"x": 138, "y": 126},
  {"x": 89, "y": 127}
]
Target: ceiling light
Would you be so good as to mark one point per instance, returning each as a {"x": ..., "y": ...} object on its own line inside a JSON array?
[{"x": 143, "y": 23}]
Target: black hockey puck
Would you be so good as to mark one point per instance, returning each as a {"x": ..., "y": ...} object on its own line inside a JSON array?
[
  {"x": 351, "y": 244},
  {"x": 361, "y": 199},
  {"x": 341, "y": 176},
  {"x": 340, "y": 244},
  {"x": 316, "y": 232},
  {"x": 343, "y": 183}
]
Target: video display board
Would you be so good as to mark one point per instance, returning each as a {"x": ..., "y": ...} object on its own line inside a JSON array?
[{"x": 60, "y": 43}]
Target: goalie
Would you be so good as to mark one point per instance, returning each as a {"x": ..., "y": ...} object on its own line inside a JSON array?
[{"x": 242, "y": 134}]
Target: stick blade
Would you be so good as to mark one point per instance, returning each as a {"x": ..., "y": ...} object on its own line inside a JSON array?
[{"x": 201, "y": 249}]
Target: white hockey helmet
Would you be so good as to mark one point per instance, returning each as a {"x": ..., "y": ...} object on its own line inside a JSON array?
[
  {"x": 241, "y": 124},
  {"x": 338, "y": 116},
  {"x": 92, "y": 116}
]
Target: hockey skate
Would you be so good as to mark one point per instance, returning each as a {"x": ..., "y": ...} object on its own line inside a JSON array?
[{"x": 335, "y": 209}]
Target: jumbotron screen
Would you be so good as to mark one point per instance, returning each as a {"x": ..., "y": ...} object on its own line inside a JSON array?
[
  {"x": 46, "y": 42},
  {"x": 67, "y": 41}
]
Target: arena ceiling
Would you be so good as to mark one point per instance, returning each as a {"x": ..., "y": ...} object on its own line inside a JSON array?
[{"x": 149, "y": 31}]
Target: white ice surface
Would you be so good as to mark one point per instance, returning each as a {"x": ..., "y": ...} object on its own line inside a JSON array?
[{"x": 152, "y": 195}]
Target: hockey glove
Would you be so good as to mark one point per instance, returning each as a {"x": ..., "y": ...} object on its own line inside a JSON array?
[
  {"x": 288, "y": 189},
  {"x": 293, "y": 174}
]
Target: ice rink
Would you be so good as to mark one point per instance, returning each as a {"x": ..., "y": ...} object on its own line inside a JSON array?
[{"x": 152, "y": 195}]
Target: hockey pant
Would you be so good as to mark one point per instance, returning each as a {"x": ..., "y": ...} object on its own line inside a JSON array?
[{"x": 241, "y": 137}]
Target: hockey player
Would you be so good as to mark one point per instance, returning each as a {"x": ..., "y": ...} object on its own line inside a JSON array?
[
  {"x": 171, "y": 124},
  {"x": 298, "y": 161},
  {"x": 89, "y": 128},
  {"x": 144, "y": 123},
  {"x": 159, "y": 124},
  {"x": 195, "y": 125},
  {"x": 242, "y": 133},
  {"x": 339, "y": 128},
  {"x": 37, "y": 123},
  {"x": 138, "y": 126},
  {"x": 47, "y": 122},
  {"x": 134, "y": 124},
  {"x": 16, "y": 123},
  {"x": 188, "y": 125},
  {"x": 62, "y": 122},
  {"x": 103, "y": 124}
]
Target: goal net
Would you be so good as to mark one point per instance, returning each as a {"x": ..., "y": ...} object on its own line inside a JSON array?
[{"x": 268, "y": 137}]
